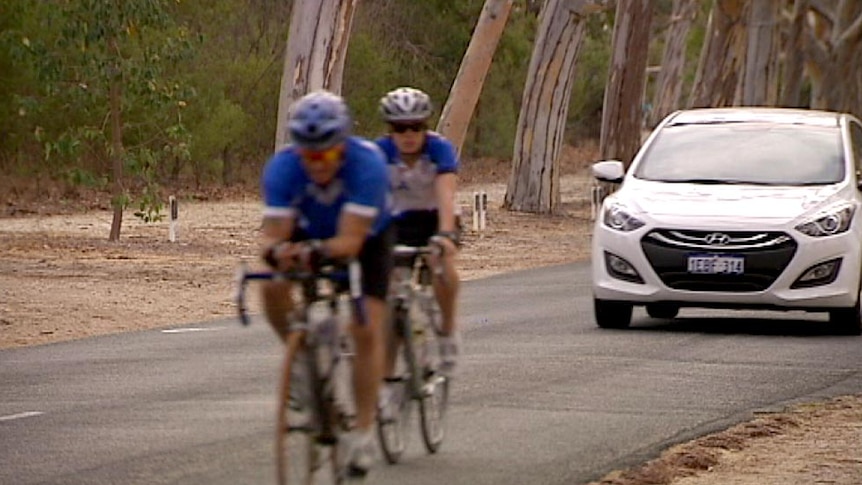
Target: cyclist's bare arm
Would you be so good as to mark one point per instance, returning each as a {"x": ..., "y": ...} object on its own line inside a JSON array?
[
  {"x": 445, "y": 185},
  {"x": 274, "y": 231},
  {"x": 276, "y": 295},
  {"x": 353, "y": 230}
]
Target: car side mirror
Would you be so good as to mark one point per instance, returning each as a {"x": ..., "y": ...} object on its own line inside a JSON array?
[{"x": 611, "y": 171}]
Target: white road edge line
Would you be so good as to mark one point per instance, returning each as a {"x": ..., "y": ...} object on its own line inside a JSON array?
[
  {"x": 28, "y": 414},
  {"x": 190, "y": 329}
]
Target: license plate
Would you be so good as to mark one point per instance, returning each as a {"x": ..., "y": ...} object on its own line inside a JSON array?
[{"x": 716, "y": 264}]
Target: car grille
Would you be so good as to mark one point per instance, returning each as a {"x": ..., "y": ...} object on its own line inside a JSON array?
[{"x": 766, "y": 255}]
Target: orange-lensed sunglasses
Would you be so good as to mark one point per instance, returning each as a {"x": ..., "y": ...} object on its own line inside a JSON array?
[{"x": 329, "y": 155}]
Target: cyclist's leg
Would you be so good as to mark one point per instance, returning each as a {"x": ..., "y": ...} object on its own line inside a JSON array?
[
  {"x": 446, "y": 291},
  {"x": 404, "y": 233},
  {"x": 368, "y": 363},
  {"x": 376, "y": 261},
  {"x": 277, "y": 305}
]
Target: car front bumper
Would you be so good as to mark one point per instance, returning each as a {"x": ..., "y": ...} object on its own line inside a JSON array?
[{"x": 842, "y": 292}]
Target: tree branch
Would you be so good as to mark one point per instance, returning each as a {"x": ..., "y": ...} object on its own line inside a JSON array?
[
  {"x": 815, "y": 50},
  {"x": 852, "y": 33},
  {"x": 822, "y": 8}
]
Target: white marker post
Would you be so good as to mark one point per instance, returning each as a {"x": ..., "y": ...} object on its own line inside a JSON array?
[
  {"x": 480, "y": 207},
  {"x": 172, "y": 229},
  {"x": 597, "y": 195},
  {"x": 474, "y": 212},
  {"x": 483, "y": 213}
]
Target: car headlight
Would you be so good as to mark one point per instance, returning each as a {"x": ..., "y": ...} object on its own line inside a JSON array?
[
  {"x": 830, "y": 223},
  {"x": 617, "y": 217}
]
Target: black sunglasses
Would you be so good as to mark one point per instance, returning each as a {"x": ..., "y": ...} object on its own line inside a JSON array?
[{"x": 403, "y": 128}]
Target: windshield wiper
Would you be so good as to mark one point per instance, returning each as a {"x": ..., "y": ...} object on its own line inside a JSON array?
[
  {"x": 707, "y": 181},
  {"x": 704, "y": 181}
]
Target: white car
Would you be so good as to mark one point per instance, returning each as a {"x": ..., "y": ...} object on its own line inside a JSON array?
[{"x": 746, "y": 208}]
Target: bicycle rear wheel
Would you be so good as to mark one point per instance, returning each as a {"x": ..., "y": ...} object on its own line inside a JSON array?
[
  {"x": 393, "y": 431},
  {"x": 432, "y": 411}
]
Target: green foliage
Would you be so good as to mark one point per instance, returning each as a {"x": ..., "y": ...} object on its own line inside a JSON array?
[
  {"x": 492, "y": 132},
  {"x": 78, "y": 177},
  {"x": 75, "y": 52},
  {"x": 587, "y": 101},
  {"x": 200, "y": 81}
]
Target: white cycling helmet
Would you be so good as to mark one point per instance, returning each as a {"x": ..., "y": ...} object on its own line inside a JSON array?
[{"x": 404, "y": 105}]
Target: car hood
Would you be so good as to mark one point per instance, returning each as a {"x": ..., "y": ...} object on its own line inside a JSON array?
[{"x": 659, "y": 199}]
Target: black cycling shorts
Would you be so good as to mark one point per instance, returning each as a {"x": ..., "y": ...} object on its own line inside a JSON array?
[
  {"x": 415, "y": 228},
  {"x": 375, "y": 259}
]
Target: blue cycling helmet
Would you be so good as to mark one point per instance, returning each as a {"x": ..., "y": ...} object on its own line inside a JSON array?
[{"x": 319, "y": 120}]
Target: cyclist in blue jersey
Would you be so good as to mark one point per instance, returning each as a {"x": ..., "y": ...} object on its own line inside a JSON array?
[
  {"x": 423, "y": 168},
  {"x": 327, "y": 195}
]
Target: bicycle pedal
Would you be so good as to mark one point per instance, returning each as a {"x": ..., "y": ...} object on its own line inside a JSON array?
[
  {"x": 356, "y": 473},
  {"x": 300, "y": 428},
  {"x": 327, "y": 439}
]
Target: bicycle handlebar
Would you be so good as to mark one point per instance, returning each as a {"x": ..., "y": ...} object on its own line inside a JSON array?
[
  {"x": 432, "y": 249},
  {"x": 352, "y": 275}
]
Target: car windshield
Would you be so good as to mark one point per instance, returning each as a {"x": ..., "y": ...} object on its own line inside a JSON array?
[{"x": 745, "y": 153}]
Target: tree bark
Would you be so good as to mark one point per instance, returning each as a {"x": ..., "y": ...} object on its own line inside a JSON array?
[
  {"x": 760, "y": 85},
  {"x": 316, "y": 51},
  {"x": 534, "y": 180},
  {"x": 721, "y": 63},
  {"x": 459, "y": 107},
  {"x": 792, "y": 74},
  {"x": 622, "y": 116},
  {"x": 832, "y": 56},
  {"x": 669, "y": 82}
]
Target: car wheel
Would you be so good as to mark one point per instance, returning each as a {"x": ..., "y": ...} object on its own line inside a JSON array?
[
  {"x": 612, "y": 314},
  {"x": 662, "y": 311},
  {"x": 847, "y": 321}
]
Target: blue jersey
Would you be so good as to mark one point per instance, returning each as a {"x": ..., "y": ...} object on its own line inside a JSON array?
[
  {"x": 413, "y": 187},
  {"x": 361, "y": 187}
]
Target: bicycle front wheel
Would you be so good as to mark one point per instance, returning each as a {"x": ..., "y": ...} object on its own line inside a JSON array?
[
  {"x": 301, "y": 456},
  {"x": 393, "y": 417}
]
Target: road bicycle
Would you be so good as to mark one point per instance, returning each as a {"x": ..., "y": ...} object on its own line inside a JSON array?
[
  {"x": 417, "y": 380},
  {"x": 310, "y": 419}
]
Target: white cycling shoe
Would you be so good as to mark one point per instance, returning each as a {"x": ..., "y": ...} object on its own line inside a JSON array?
[
  {"x": 359, "y": 448},
  {"x": 450, "y": 350}
]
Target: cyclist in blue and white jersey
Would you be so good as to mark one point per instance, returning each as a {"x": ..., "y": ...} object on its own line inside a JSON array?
[
  {"x": 424, "y": 167},
  {"x": 327, "y": 195}
]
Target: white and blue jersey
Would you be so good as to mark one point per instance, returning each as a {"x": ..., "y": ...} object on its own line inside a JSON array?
[
  {"x": 413, "y": 187},
  {"x": 361, "y": 187}
]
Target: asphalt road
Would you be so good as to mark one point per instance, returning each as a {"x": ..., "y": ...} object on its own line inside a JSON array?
[{"x": 543, "y": 397}]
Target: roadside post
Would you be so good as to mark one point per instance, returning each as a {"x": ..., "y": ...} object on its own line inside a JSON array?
[{"x": 172, "y": 228}]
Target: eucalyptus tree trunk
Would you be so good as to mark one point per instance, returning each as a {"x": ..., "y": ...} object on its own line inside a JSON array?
[
  {"x": 669, "y": 82},
  {"x": 316, "y": 51},
  {"x": 459, "y": 107},
  {"x": 794, "y": 59},
  {"x": 622, "y": 116},
  {"x": 534, "y": 180},
  {"x": 834, "y": 63},
  {"x": 718, "y": 80},
  {"x": 760, "y": 82}
]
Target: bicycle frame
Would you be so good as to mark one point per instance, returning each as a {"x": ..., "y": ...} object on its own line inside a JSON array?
[
  {"x": 420, "y": 381},
  {"x": 320, "y": 340}
]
